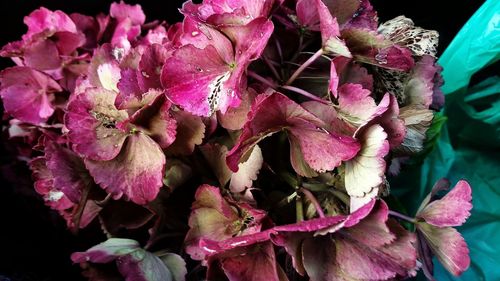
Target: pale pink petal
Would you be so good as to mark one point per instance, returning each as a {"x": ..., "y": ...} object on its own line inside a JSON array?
[
  {"x": 137, "y": 171},
  {"x": 448, "y": 246},
  {"x": 366, "y": 171},
  {"x": 451, "y": 210},
  {"x": 92, "y": 119}
]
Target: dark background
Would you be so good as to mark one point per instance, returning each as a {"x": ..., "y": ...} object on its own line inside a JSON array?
[{"x": 34, "y": 242}]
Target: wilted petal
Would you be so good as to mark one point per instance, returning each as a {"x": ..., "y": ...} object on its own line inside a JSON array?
[
  {"x": 367, "y": 170},
  {"x": 417, "y": 122},
  {"x": 451, "y": 210},
  {"x": 190, "y": 133},
  {"x": 448, "y": 246},
  {"x": 137, "y": 171},
  {"x": 369, "y": 47},
  {"x": 402, "y": 30},
  {"x": 214, "y": 219},
  {"x": 91, "y": 119}
]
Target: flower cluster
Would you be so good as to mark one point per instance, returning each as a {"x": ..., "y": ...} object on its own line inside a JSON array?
[{"x": 276, "y": 121}]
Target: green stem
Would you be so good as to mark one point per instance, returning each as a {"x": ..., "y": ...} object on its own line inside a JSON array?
[
  {"x": 299, "y": 209},
  {"x": 341, "y": 195}
]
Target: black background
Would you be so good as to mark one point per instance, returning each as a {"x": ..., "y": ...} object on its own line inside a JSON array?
[{"x": 34, "y": 243}]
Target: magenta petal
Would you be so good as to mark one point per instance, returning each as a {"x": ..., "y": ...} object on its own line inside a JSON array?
[
  {"x": 43, "y": 19},
  {"x": 25, "y": 94},
  {"x": 451, "y": 210},
  {"x": 448, "y": 246},
  {"x": 150, "y": 67},
  {"x": 137, "y": 170},
  {"x": 194, "y": 79},
  {"x": 91, "y": 119},
  {"x": 250, "y": 39}
]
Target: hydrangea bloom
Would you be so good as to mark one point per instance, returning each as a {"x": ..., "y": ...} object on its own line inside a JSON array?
[{"x": 255, "y": 136}]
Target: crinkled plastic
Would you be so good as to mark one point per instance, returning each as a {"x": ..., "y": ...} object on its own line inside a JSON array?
[{"x": 469, "y": 145}]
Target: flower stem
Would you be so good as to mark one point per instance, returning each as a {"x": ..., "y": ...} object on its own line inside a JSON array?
[
  {"x": 308, "y": 194},
  {"x": 304, "y": 93},
  {"x": 272, "y": 68},
  {"x": 261, "y": 79},
  {"x": 401, "y": 216},
  {"x": 305, "y": 65},
  {"x": 299, "y": 209},
  {"x": 340, "y": 195}
]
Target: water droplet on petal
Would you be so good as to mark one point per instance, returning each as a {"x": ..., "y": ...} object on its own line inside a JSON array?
[
  {"x": 194, "y": 33},
  {"x": 199, "y": 69}
]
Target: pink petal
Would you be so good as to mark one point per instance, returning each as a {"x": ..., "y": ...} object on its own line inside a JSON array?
[
  {"x": 451, "y": 210},
  {"x": 68, "y": 170},
  {"x": 43, "y": 19},
  {"x": 357, "y": 106},
  {"x": 91, "y": 119},
  {"x": 137, "y": 170},
  {"x": 330, "y": 32},
  {"x": 392, "y": 124},
  {"x": 121, "y": 11},
  {"x": 24, "y": 92},
  {"x": 196, "y": 79},
  {"x": 150, "y": 67},
  {"x": 448, "y": 246}
]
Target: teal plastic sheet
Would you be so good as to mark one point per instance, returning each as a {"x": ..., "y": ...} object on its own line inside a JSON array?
[{"x": 469, "y": 144}]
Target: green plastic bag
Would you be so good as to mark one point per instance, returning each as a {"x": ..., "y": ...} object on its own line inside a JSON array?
[{"x": 469, "y": 144}]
